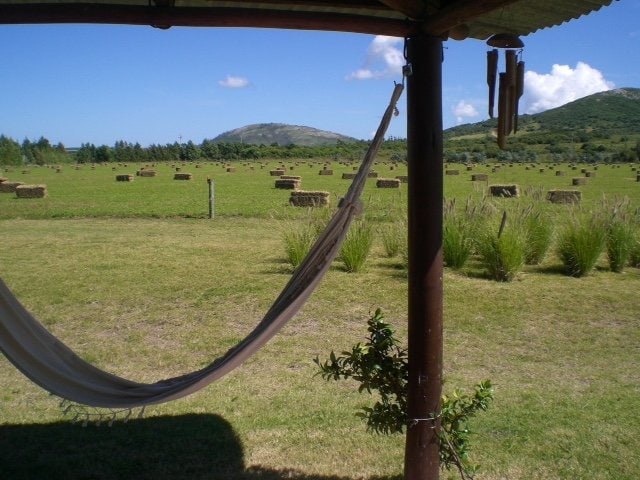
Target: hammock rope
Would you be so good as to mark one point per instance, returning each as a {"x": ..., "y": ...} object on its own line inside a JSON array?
[{"x": 49, "y": 363}]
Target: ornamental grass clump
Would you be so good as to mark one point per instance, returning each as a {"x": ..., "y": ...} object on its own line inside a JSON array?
[
  {"x": 539, "y": 235},
  {"x": 382, "y": 369},
  {"x": 394, "y": 237},
  {"x": 457, "y": 242},
  {"x": 581, "y": 243},
  {"x": 634, "y": 257},
  {"x": 356, "y": 246},
  {"x": 620, "y": 243},
  {"x": 503, "y": 253},
  {"x": 298, "y": 242}
]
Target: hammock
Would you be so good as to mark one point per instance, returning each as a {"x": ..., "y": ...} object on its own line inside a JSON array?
[{"x": 49, "y": 363}]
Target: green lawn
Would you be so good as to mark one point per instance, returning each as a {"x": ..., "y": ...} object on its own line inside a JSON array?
[{"x": 142, "y": 284}]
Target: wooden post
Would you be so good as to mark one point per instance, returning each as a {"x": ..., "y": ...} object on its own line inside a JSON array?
[
  {"x": 425, "y": 194},
  {"x": 211, "y": 197}
]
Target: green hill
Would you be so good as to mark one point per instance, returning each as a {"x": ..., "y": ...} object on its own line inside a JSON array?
[
  {"x": 605, "y": 113},
  {"x": 281, "y": 134}
]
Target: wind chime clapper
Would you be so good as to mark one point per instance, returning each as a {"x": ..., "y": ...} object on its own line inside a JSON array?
[{"x": 510, "y": 83}]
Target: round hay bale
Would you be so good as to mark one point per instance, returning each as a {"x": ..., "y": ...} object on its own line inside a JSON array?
[
  {"x": 388, "y": 183},
  {"x": 564, "y": 196},
  {"x": 9, "y": 187},
  {"x": 31, "y": 191},
  {"x": 182, "y": 176},
  {"x": 124, "y": 177},
  {"x": 301, "y": 198},
  {"x": 505, "y": 191},
  {"x": 479, "y": 177},
  {"x": 579, "y": 181}
]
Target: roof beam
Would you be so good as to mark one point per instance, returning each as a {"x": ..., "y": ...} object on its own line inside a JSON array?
[
  {"x": 414, "y": 9},
  {"x": 460, "y": 12},
  {"x": 202, "y": 17}
]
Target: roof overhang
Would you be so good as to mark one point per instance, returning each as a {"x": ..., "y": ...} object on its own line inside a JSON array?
[{"x": 443, "y": 18}]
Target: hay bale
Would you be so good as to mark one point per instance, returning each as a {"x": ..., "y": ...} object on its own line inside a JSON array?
[
  {"x": 231, "y": 169},
  {"x": 182, "y": 176},
  {"x": 276, "y": 173},
  {"x": 579, "y": 181},
  {"x": 372, "y": 174},
  {"x": 288, "y": 183},
  {"x": 564, "y": 196},
  {"x": 325, "y": 171},
  {"x": 590, "y": 174},
  {"x": 348, "y": 176},
  {"x": 638, "y": 177},
  {"x": 452, "y": 172},
  {"x": 291, "y": 177},
  {"x": 388, "y": 183},
  {"x": 479, "y": 177},
  {"x": 300, "y": 198},
  {"x": 147, "y": 173},
  {"x": 403, "y": 178},
  {"x": 125, "y": 177},
  {"x": 31, "y": 191},
  {"x": 560, "y": 173},
  {"x": 506, "y": 191},
  {"x": 3, "y": 179},
  {"x": 9, "y": 187},
  {"x": 469, "y": 168}
]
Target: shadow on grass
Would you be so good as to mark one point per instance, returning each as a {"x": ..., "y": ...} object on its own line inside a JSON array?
[{"x": 182, "y": 447}]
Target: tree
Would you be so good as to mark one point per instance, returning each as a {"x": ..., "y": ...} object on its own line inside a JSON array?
[{"x": 10, "y": 153}]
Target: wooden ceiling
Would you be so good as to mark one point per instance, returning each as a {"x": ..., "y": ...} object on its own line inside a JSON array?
[{"x": 444, "y": 18}]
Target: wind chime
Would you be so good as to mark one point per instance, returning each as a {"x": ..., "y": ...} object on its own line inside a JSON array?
[{"x": 510, "y": 83}]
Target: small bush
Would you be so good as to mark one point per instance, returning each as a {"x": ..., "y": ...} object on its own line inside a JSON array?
[
  {"x": 620, "y": 243},
  {"x": 503, "y": 253},
  {"x": 581, "y": 244},
  {"x": 356, "y": 246},
  {"x": 297, "y": 243}
]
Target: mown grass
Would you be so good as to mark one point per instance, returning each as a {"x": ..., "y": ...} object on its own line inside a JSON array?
[{"x": 150, "y": 298}]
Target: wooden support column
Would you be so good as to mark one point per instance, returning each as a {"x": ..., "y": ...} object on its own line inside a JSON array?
[{"x": 425, "y": 171}]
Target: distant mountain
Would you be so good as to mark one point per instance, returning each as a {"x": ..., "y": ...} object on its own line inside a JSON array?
[
  {"x": 612, "y": 112},
  {"x": 282, "y": 134}
]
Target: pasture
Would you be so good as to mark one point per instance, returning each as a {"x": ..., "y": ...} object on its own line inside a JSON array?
[{"x": 136, "y": 279}]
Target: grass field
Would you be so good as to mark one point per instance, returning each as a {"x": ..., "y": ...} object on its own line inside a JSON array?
[{"x": 137, "y": 280}]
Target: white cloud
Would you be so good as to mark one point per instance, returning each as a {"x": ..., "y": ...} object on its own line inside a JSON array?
[
  {"x": 231, "y": 81},
  {"x": 464, "y": 110},
  {"x": 384, "y": 59},
  {"x": 564, "y": 84}
]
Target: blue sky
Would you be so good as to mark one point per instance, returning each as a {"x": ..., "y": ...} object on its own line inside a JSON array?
[{"x": 99, "y": 84}]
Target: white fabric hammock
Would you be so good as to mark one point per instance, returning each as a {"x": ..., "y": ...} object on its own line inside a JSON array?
[{"x": 53, "y": 366}]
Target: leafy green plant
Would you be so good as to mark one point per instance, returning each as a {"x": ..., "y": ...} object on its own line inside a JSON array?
[
  {"x": 502, "y": 253},
  {"x": 381, "y": 365},
  {"x": 297, "y": 243},
  {"x": 620, "y": 243},
  {"x": 580, "y": 245},
  {"x": 356, "y": 246}
]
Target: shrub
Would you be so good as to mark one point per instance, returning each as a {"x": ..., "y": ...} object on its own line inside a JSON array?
[
  {"x": 356, "y": 246},
  {"x": 381, "y": 365},
  {"x": 503, "y": 253},
  {"x": 581, "y": 244},
  {"x": 620, "y": 243}
]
